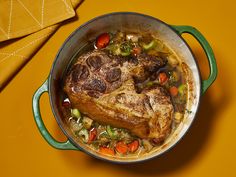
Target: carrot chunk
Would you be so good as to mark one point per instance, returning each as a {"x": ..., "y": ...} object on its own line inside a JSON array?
[
  {"x": 106, "y": 150},
  {"x": 173, "y": 91},
  {"x": 162, "y": 78},
  {"x": 133, "y": 146},
  {"x": 121, "y": 147},
  {"x": 136, "y": 51}
]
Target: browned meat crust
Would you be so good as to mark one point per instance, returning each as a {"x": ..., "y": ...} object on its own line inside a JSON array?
[{"x": 104, "y": 88}]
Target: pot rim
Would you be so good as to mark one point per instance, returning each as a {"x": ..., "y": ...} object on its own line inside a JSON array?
[{"x": 59, "y": 121}]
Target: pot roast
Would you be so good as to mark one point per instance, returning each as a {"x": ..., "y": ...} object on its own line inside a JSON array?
[{"x": 108, "y": 89}]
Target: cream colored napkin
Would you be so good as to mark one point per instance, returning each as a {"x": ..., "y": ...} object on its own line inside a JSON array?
[{"x": 38, "y": 19}]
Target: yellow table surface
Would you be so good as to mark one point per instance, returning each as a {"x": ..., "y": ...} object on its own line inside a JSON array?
[{"x": 208, "y": 149}]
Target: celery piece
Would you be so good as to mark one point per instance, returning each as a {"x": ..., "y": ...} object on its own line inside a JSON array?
[
  {"x": 87, "y": 122},
  {"x": 150, "y": 45},
  {"x": 124, "y": 54},
  {"x": 112, "y": 134},
  {"x": 182, "y": 89},
  {"x": 149, "y": 84},
  {"x": 114, "y": 49},
  {"x": 125, "y": 49},
  {"x": 75, "y": 113}
]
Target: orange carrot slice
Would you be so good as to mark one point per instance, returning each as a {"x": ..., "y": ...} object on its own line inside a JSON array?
[
  {"x": 162, "y": 78},
  {"x": 133, "y": 146},
  {"x": 106, "y": 150},
  {"x": 173, "y": 91},
  {"x": 121, "y": 147},
  {"x": 136, "y": 51}
]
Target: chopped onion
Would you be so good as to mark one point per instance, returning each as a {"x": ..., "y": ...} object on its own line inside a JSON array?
[
  {"x": 132, "y": 37},
  {"x": 178, "y": 117},
  {"x": 87, "y": 122},
  {"x": 172, "y": 60},
  {"x": 84, "y": 134},
  {"x": 75, "y": 113},
  {"x": 147, "y": 145}
]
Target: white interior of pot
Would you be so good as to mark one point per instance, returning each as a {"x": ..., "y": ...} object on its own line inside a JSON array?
[{"x": 123, "y": 22}]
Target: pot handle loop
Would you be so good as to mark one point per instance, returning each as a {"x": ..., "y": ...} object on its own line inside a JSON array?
[
  {"x": 208, "y": 51},
  {"x": 39, "y": 122}
]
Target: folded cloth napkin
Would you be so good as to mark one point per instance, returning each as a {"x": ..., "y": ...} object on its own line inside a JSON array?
[{"x": 31, "y": 23}]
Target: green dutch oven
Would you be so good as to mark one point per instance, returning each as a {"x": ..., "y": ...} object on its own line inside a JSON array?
[{"x": 170, "y": 34}]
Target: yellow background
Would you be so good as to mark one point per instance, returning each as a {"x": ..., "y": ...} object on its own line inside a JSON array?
[{"x": 209, "y": 147}]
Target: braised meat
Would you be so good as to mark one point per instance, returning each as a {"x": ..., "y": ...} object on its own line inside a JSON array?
[{"x": 105, "y": 88}]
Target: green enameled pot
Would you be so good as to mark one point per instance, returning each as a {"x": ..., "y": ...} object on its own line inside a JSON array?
[{"x": 124, "y": 21}]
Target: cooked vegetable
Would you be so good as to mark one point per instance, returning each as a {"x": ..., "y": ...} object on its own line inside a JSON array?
[
  {"x": 150, "y": 45},
  {"x": 133, "y": 146},
  {"x": 102, "y": 40},
  {"x": 119, "y": 36},
  {"x": 174, "y": 77},
  {"x": 147, "y": 145},
  {"x": 111, "y": 132},
  {"x": 75, "y": 113},
  {"x": 87, "y": 122},
  {"x": 75, "y": 126},
  {"x": 173, "y": 60},
  {"x": 132, "y": 37},
  {"x": 102, "y": 133},
  {"x": 66, "y": 103},
  {"x": 149, "y": 84},
  {"x": 114, "y": 49},
  {"x": 125, "y": 49},
  {"x": 182, "y": 89},
  {"x": 124, "y": 54},
  {"x": 178, "y": 117},
  {"x": 84, "y": 134},
  {"x": 92, "y": 135},
  {"x": 121, "y": 147},
  {"x": 106, "y": 150},
  {"x": 174, "y": 91},
  {"x": 162, "y": 78},
  {"x": 136, "y": 51}
]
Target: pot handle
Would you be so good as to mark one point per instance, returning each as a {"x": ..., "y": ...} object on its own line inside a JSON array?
[
  {"x": 208, "y": 51},
  {"x": 39, "y": 122}
]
